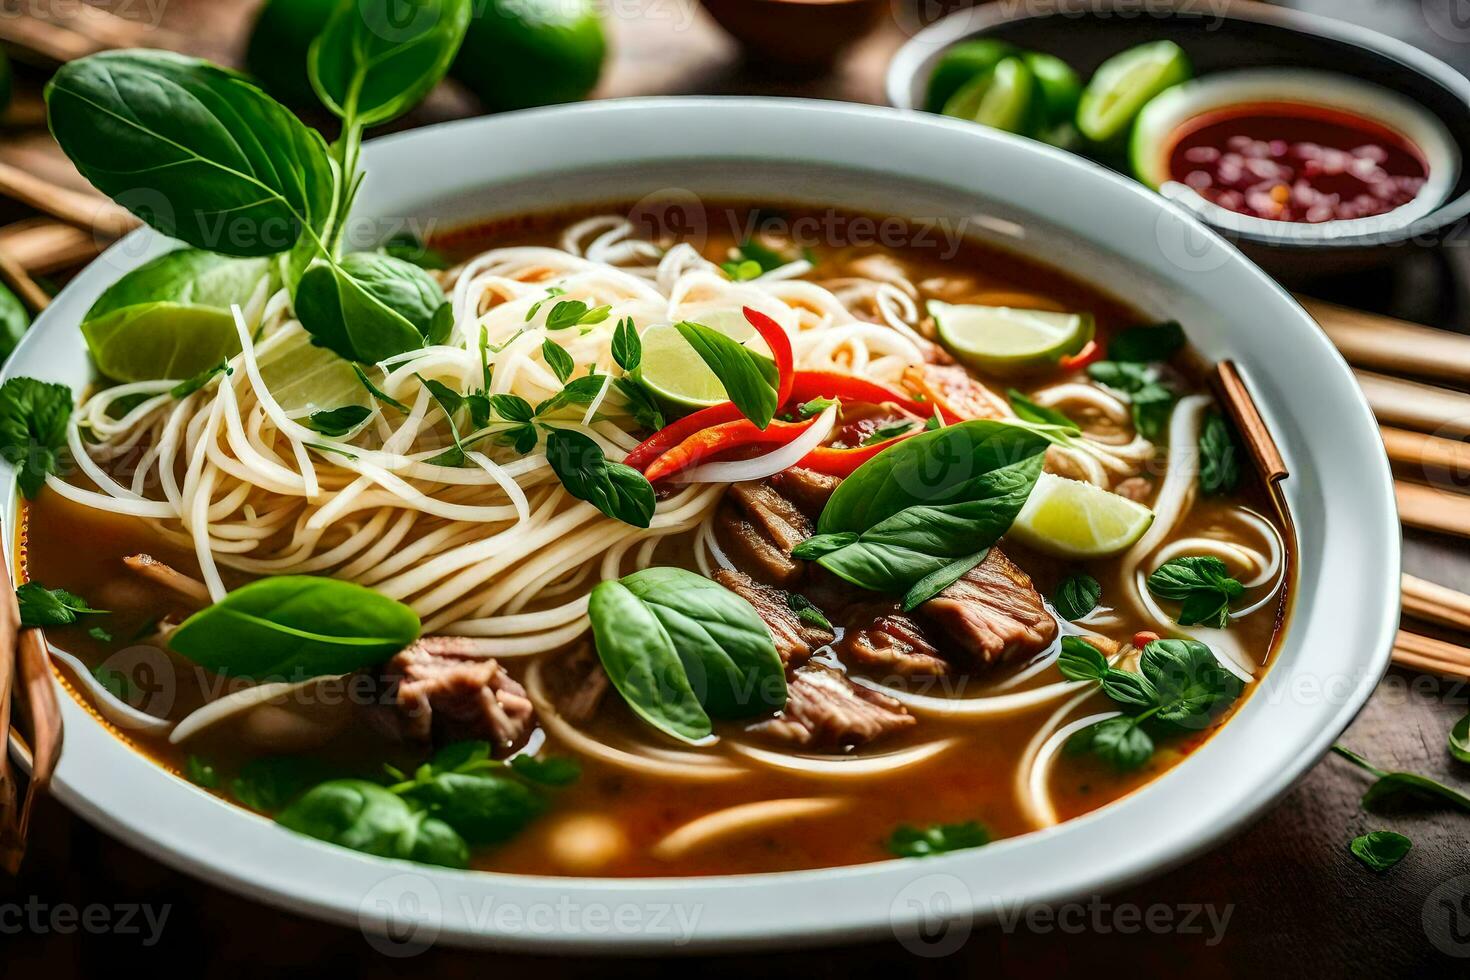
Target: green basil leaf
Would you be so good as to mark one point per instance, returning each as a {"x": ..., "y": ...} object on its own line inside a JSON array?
[
  {"x": 295, "y": 627},
  {"x": 933, "y": 468},
  {"x": 1459, "y": 739},
  {"x": 767, "y": 258},
  {"x": 1122, "y": 375},
  {"x": 807, "y": 611},
  {"x": 1191, "y": 686},
  {"x": 1129, "y": 689},
  {"x": 200, "y": 773},
  {"x": 618, "y": 490},
  {"x": 748, "y": 379},
  {"x": 558, "y": 360},
  {"x": 640, "y": 404},
  {"x": 572, "y": 313},
  {"x": 1155, "y": 342},
  {"x": 818, "y": 545},
  {"x": 1210, "y": 609},
  {"x": 483, "y": 808},
  {"x": 366, "y": 817},
  {"x": 726, "y": 648},
  {"x": 642, "y": 663},
  {"x": 192, "y": 149},
  {"x": 923, "y": 540},
  {"x": 548, "y": 770},
  {"x": 1396, "y": 788},
  {"x": 369, "y": 307},
  {"x": 1380, "y": 849},
  {"x": 1081, "y": 661},
  {"x": 377, "y": 392},
  {"x": 99, "y": 634},
  {"x": 742, "y": 271},
  {"x": 338, "y": 422},
  {"x": 885, "y": 432},
  {"x": 269, "y": 783},
  {"x": 940, "y": 579},
  {"x": 186, "y": 388},
  {"x": 377, "y": 59},
  {"x": 1151, "y": 406},
  {"x": 1077, "y": 596},
  {"x": 512, "y": 408},
  {"x": 410, "y": 248},
  {"x": 1030, "y": 411},
  {"x": 1181, "y": 577},
  {"x": 627, "y": 346},
  {"x": 1121, "y": 743},
  {"x": 816, "y": 406},
  {"x": 464, "y": 756},
  {"x": 578, "y": 391},
  {"x": 40, "y": 606},
  {"x": 33, "y": 420},
  {"x": 15, "y": 320},
  {"x": 1219, "y": 457},
  {"x": 908, "y": 841}
]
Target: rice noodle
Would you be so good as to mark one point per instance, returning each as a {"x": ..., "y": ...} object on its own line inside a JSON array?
[{"x": 742, "y": 819}]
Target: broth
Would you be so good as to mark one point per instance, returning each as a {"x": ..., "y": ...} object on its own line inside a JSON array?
[{"x": 609, "y": 822}]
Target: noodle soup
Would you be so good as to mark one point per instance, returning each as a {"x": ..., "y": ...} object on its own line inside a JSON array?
[{"x": 749, "y": 552}]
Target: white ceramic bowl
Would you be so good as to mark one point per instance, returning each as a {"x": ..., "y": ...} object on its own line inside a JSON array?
[{"x": 1034, "y": 200}]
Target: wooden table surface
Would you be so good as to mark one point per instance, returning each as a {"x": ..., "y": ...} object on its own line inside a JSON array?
[{"x": 1283, "y": 894}]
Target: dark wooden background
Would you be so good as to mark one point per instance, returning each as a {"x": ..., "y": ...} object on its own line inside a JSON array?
[{"x": 1296, "y": 899}]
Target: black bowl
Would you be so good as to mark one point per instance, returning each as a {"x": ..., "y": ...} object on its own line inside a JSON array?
[{"x": 1238, "y": 34}]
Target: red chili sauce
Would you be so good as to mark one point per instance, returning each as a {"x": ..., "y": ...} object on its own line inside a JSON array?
[{"x": 1289, "y": 162}]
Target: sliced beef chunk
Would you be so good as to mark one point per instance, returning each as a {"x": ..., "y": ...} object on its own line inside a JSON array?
[
  {"x": 992, "y": 614},
  {"x": 753, "y": 551},
  {"x": 585, "y": 683},
  {"x": 760, "y": 527},
  {"x": 796, "y": 638},
  {"x": 825, "y": 709},
  {"x": 772, "y": 513},
  {"x": 442, "y": 692},
  {"x": 894, "y": 644},
  {"x": 808, "y": 489}
]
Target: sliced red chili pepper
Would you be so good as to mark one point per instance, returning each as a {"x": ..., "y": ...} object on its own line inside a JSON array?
[
  {"x": 676, "y": 432},
  {"x": 807, "y": 385},
  {"x": 1076, "y": 362},
  {"x": 717, "y": 439},
  {"x": 780, "y": 345}
]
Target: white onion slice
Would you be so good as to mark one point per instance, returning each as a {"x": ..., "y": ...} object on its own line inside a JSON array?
[{"x": 741, "y": 470}]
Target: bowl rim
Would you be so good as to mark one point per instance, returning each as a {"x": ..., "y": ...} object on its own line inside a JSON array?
[
  {"x": 916, "y": 54},
  {"x": 1205, "y": 799}
]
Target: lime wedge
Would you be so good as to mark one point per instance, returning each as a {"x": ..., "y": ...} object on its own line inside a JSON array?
[
  {"x": 1124, "y": 83},
  {"x": 1073, "y": 519},
  {"x": 305, "y": 378},
  {"x": 161, "y": 340},
  {"x": 960, "y": 64},
  {"x": 1002, "y": 98},
  {"x": 1057, "y": 86},
  {"x": 1008, "y": 340},
  {"x": 675, "y": 372}
]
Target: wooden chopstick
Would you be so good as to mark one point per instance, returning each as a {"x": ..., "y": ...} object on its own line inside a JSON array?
[
  {"x": 16, "y": 277},
  {"x": 1416, "y": 406},
  {"x": 1397, "y": 346},
  {"x": 12, "y": 843},
  {"x": 44, "y": 245},
  {"x": 55, "y": 37},
  {"x": 1429, "y": 509},
  {"x": 1436, "y": 603},
  {"x": 1430, "y": 655},
  {"x": 83, "y": 210},
  {"x": 1424, "y": 451},
  {"x": 44, "y": 714}
]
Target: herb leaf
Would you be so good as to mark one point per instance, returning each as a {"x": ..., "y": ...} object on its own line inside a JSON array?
[
  {"x": 548, "y": 770},
  {"x": 296, "y": 627},
  {"x": 1459, "y": 739},
  {"x": 578, "y": 391},
  {"x": 1030, "y": 411},
  {"x": 749, "y": 379},
  {"x": 807, "y": 611},
  {"x": 1121, "y": 742},
  {"x": 1077, "y": 596},
  {"x": 192, "y": 149},
  {"x": 338, "y": 422},
  {"x": 40, "y": 606},
  {"x": 200, "y": 773},
  {"x": 618, "y": 490},
  {"x": 640, "y": 404},
  {"x": 627, "y": 346},
  {"x": 377, "y": 392},
  {"x": 1154, "y": 342},
  {"x": 373, "y": 62},
  {"x": 33, "y": 420},
  {"x": 369, "y": 307},
  {"x": 1201, "y": 584},
  {"x": 367, "y": 817},
  {"x": 885, "y": 432},
  {"x": 909, "y": 841},
  {"x": 572, "y": 313},
  {"x": 558, "y": 360},
  {"x": 268, "y": 783},
  {"x": 1380, "y": 849},
  {"x": 1219, "y": 458},
  {"x": 1081, "y": 661},
  {"x": 186, "y": 388}
]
